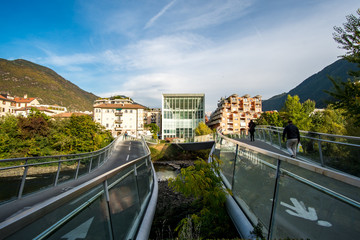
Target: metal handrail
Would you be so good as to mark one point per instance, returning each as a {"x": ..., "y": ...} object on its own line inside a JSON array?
[
  {"x": 107, "y": 151},
  {"x": 59, "y": 156},
  {"x": 17, "y": 222},
  {"x": 349, "y": 179},
  {"x": 280, "y": 130},
  {"x": 310, "y": 132},
  {"x": 273, "y": 135}
]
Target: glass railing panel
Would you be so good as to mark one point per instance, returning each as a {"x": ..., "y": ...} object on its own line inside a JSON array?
[
  {"x": 143, "y": 181},
  {"x": 40, "y": 177},
  {"x": 253, "y": 188},
  {"x": 340, "y": 187},
  {"x": 227, "y": 157},
  {"x": 342, "y": 157},
  {"x": 95, "y": 161},
  {"x": 124, "y": 206},
  {"x": 10, "y": 181},
  {"x": 304, "y": 212},
  {"x": 84, "y": 166},
  {"x": 94, "y": 211},
  {"x": 310, "y": 149},
  {"x": 67, "y": 171}
]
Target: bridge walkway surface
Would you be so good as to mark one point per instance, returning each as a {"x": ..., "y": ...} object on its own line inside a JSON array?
[{"x": 123, "y": 152}]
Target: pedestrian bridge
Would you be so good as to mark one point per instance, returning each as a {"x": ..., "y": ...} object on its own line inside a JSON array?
[{"x": 111, "y": 194}]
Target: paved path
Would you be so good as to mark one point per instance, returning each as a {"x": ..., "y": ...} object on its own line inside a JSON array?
[
  {"x": 263, "y": 145},
  {"x": 123, "y": 152}
]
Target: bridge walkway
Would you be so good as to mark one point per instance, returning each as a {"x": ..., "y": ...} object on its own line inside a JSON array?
[{"x": 123, "y": 152}]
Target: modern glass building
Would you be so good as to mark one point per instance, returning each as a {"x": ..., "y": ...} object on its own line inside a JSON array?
[{"x": 181, "y": 113}]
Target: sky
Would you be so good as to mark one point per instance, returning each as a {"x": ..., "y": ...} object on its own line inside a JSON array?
[{"x": 143, "y": 48}]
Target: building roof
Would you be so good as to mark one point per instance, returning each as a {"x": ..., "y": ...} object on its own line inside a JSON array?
[
  {"x": 24, "y": 100},
  {"x": 42, "y": 109},
  {"x": 122, "y": 106},
  {"x": 68, "y": 114},
  {"x": 6, "y": 99}
]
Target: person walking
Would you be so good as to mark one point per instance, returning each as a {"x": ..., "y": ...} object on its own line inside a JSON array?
[
  {"x": 293, "y": 138},
  {"x": 252, "y": 126}
]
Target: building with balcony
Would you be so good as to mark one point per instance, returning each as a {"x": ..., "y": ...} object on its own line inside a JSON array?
[
  {"x": 152, "y": 115},
  {"x": 181, "y": 113},
  {"x": 234, "y": 113},
  {"x": 120, "y": 117}
]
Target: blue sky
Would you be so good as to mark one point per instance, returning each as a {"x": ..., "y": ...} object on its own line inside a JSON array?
[{"x": 145, "y": 48}]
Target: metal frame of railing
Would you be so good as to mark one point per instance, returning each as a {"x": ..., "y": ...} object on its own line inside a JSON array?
[
  {"x": 266, "y": 134},
  {"x": 29, "y": 218},
  {"x": 101, "y": 156},
  {"x": 281, "y": 171}
]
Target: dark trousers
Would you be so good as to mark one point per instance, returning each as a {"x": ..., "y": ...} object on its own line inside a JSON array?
[{"x": 252, "y": 137}]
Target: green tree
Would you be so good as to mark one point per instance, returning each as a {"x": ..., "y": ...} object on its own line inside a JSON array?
[
  {"x": 270, "y": 118},
  {"x": 349, "y": 39},
  {"x": 202, "y": 129},
  {"x": 202, "y": 182},
  {"x": 347, "y": 94},
  {"x": 297, "y": 112},
  {"x": 154, "y": 129},
  {"x": 330, "y": 121}
]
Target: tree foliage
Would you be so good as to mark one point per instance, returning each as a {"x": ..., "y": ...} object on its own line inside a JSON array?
[
  {"x": 154, "y": 129},
  {"x": 202, "y": 129},
  {"x": 38, "y": 135},
  {"x": 202, "y": 182},
  {"x": 298, "y": 112},
  {"x": 347, "y": 94},
  {"x": 330, "y": 121},
  {"x": 349, "y": 39},
  {"x": 270, "y": 118}
]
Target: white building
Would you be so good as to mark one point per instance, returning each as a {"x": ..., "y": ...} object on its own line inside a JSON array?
[
  {"x": 120, "y": 117},
  {"x": 7, "y": 105}
]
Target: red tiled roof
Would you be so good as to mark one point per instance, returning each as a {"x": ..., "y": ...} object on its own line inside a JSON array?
[
  {"x": 68, "y": 114},
  {"x": 23, "y": 100},
  {"x": 122, "y": 106},
  {"x": 6, "y": 99}
]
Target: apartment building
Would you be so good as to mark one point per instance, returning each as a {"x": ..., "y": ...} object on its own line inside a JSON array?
[
  {"x": 181, "y": 114},
  {"x": 234, "y": 113},
  {"x": 152, "y": 115},
  {"x": 120, "y": 116}
]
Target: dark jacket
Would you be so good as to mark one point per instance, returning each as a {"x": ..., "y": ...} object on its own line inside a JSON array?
[
  {"x": 252, "y": 126},
  {"x": 291, "y": 132}
]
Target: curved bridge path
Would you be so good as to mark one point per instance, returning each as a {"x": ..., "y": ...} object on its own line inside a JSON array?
[{"x": 123, "y": 152}]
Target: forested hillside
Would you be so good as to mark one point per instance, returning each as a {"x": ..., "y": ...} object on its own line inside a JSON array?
[
  {"x": 314, "y": 87},
  {"x": 20, "y": 77}
]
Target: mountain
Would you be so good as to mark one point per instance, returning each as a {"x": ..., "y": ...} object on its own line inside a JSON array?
[
  {"x": 314, "y": 87},
  {"x": 20, "y": 77}
]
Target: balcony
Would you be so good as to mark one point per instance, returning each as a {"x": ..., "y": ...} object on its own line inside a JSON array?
[
  {"x": 119, "y": 121},
  {"x": 118, "y": 113}
]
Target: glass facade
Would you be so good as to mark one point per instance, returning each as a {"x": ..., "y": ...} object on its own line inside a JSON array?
[{"x": 181, "y": 113}]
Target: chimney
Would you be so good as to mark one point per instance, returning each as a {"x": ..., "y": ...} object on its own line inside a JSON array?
[{"x": 25, "y": 96}]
